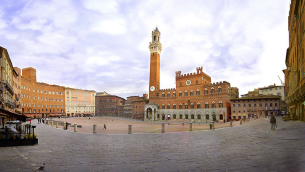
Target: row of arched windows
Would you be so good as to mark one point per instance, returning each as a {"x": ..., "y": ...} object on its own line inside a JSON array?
[
  {"x": 192, "y": 106},
  {"x": 212, "y": 91}
]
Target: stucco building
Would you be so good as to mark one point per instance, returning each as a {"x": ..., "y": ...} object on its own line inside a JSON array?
[
  {"x": 254, "y": 106},
  {"x": 17, "y": 89},
  {"x": 295, "y": 61},
  {"x": 79, "y": 103},
  {"x": 40, "y": 99},
  {"x": 7, "y": 89},
  {"x": 195, "y": 97}
]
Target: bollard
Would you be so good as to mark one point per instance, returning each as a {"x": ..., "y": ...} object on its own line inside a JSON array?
[
  {"x": 190, "y": 126},
  {"x": 75, "y": 127},
  {"x": 56, "y": 124},
  {"x": 129, "y": 129},
  {"x": 213, "y": 125},
  {"x": 94, "y": 129},
  {"x": 231, "y": 123},
  {"x": 52, "y": 123},
  {"x": 241, "y": 122},
  {"x": 163, "y": 128}
]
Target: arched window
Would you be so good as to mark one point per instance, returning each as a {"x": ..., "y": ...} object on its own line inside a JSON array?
[
  {"x": 168, "y": 106},
  {"x": 198, "y": 105},
  {"x": 174, "y": 94},
  {"x": 163, "y": 95},
  {"x": 212, "y": 90},
  {"x": 163, "y": 106},
  {"x": 213, "y": 105},
  {"x": 220, "y": 104},
  {"x": 180, "y": 94},
  {"x": 174, "y": 106},
  {"x": 191, "y": 93},
  {"x": 168, "y": 94},
  {"x": 219, "y": 89},
  {"x": 185, "y": 93},
  {"x": 192, "y": 106},
  {"x": 206, "y": 105},
  {"x": 197, "y": 92},
  {"x": 205, "y": 91},
  {"x": 180, "y": 106}
]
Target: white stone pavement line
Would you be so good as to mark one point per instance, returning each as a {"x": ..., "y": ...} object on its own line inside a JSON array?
[{"x": 24, "y": 157}]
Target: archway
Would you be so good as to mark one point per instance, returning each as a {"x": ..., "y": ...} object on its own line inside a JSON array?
[
  {"x": 148, "y": 113},
  {"x": 163, "y": 117},
  {"x": 220, "y": 117},
  {"x": 214, "y": 117}
]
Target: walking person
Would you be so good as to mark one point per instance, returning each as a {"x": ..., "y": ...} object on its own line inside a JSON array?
[
  {"x": 273, "y": 122},
  {"x": 104, "y": 126}
]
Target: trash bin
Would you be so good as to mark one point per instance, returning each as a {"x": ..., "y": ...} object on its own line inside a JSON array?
[{"x": 211, "y": 126}]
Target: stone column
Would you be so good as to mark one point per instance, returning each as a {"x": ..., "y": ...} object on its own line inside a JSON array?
[
  {"x": 57, "y": 124},
  {"x": 163, "y": 128},
  {"x": 94, "y": 129},
  {"x": 75, "y": 127},
  {"x": 190, "y": 126},
  {"x": 241, "y": 121},
  {"x": 231, "y": 123},
  {"x": 129, "y": 129},
  {"x": 52, "y": 123},
  {"x": 213, "y": 125}
]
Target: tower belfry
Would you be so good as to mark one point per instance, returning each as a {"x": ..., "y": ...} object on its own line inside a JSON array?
[{"x": 155, "y": 48}]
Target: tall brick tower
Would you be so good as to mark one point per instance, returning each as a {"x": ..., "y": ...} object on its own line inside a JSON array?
[{"x": 154, "y": 75}]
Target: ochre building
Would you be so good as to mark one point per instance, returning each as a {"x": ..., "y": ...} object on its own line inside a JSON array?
[
  {"x": 295, "y": 61},
  {"x": 40, "y": 99},
  {"x": 195, "y": 97}
]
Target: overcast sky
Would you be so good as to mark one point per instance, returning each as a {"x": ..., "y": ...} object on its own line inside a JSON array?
[{"x": 102, "y": 45}]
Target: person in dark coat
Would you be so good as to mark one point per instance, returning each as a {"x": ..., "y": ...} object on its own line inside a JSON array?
[
  {"x": 104, "y": 126},
  {"x": 273, "y": 122}
]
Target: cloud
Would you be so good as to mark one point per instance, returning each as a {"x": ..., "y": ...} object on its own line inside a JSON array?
[{"x": 103, "y": 45}]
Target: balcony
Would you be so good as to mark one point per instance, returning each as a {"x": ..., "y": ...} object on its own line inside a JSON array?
[
  {"x": 8, "y": 86},
  {"x": 9, "y": 103}
]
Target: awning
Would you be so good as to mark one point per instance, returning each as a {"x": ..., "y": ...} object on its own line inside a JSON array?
[{"x": 13, "y": 115}]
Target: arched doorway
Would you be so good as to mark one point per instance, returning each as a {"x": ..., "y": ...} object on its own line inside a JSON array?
[
  {"x": 174, "y": 116},
  {"x": 163, "y": 117},
  {"x": 214, "y": 117},
  {"x": 220, "y": 117},
  {"x": 192, "y": 116},
  {"x": 198, "y": 116},
  {"x": 148, "y": 113},
  {"x": 186, "y": 116}
]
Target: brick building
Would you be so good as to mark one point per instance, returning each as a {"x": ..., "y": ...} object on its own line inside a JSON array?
[
  {"x": 255, "y": 106},
  {"x": 295, "y": 61},
  {"x": 79, "y": 102},
  {"x": 40, "y": 99},
  {"x": 138, "y": 106},
  {"x": 195, "y": 97},
  {"x": 108, "y": 105}
]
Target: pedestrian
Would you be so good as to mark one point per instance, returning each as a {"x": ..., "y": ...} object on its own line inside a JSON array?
[
  {"x": 273, "y": 122},
  {"x": 89, "y": 118},
  {"x": 104, "y": 126},
  {"x": 30, "y": 121}
]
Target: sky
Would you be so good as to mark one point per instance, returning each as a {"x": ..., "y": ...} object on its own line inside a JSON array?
[{"x": 102, "y": 45}]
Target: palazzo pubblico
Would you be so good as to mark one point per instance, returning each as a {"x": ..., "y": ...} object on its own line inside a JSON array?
[{"x": 195, "y": 98}]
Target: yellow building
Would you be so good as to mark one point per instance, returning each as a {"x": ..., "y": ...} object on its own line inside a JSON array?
[
  {"x": 295, "y": 62},
  {"x": 79, "y": 102}
]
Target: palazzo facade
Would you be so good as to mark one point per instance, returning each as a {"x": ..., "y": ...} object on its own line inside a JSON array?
[{"x": 195, "y": 97}]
